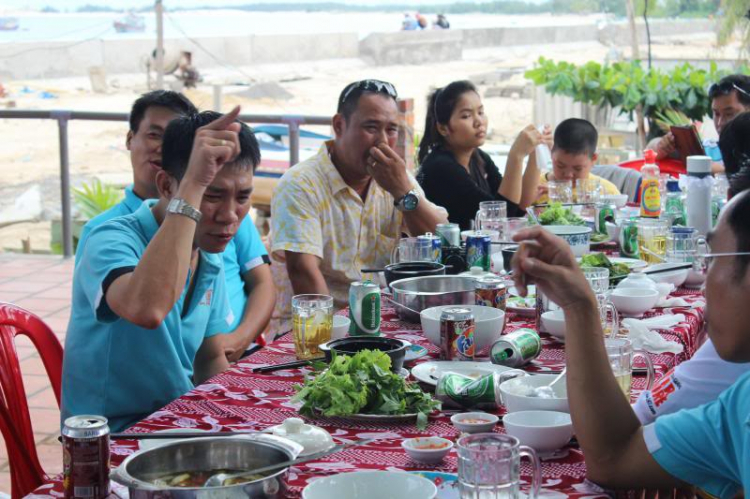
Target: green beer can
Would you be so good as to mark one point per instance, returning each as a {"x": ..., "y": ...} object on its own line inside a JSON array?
[
  {"x": 629, "y": 239},
  {"x": 364, "y": 309},
  {"x": 462, "y": 391}
]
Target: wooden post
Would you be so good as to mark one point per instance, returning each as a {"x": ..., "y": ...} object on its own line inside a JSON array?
[
  {"x": 405, "y": 144},
  {"x": 159, "y": 11},
  {"x": 635, "y": 55}
]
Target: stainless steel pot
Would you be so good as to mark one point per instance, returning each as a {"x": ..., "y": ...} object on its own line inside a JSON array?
[
  {"x": 207, "y": 454},
  {"x": 419, "y": 293}
]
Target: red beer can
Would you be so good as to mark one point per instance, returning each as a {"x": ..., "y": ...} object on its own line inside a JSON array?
[{"x": 86, "y": 457}]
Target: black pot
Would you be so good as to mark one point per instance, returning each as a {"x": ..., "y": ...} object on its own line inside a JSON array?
[
  {"x": 508, "y": 253},
  {"x": 396, "y": 349},
  {"x": 404, "y": 270}
]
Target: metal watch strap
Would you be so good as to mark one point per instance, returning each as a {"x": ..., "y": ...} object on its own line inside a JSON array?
[
  {"x": 181, "y": 207},
  {"x": 399, "y": 204}
]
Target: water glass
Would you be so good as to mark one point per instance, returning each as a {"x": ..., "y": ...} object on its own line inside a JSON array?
[
  {"x": 560, "y": 191},
  {"x": 491, "y": 215},
  {"x": 512, "y": 225},
  {"x": 598, "y": 279},
  {"x": 413, "y": 249},
  {"x": 312, "y": 323},
  {"x": 489, "y": 467},
  {"x": 589, "y": 190},
  {"x": 652, "y": 239},
  {"x": 682, "y": 243},
  {"x": 621, "y": 357}
]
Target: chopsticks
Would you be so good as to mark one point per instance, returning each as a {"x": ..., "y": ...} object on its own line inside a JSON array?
[
  {"x": 677, "y": 266},
  {"x": 287, "y": 365}
]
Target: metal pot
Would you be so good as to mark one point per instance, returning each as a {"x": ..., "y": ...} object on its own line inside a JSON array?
[
  {"x": 404, "y": 270},
  {"x": 208, "y": 454},
  {"x": 395, "y": 348},
  {"x": 419, "y": 293}
]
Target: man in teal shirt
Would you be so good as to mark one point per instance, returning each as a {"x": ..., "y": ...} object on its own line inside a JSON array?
[
  {"x": 250, "y": 286},
  {"x": 709, "y": 446},
  {"x": 149, "y": 297}
]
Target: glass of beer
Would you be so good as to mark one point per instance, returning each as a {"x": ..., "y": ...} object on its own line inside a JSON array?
[
  {"x": 312, "y": 323},
  {"x": 621, "y": 357},
  {"x": 652, "y": 240}
]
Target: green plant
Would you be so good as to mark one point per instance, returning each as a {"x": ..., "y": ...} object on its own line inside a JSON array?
[
  {"x": 627, "y": 85},
  {"x": 95, "y": 198},
  {"x": 670, "y": 118}
]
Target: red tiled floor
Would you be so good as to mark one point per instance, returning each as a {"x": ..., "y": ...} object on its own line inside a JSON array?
[
  {"x": 5, "y": 480},
  {"x": 12, "y": 297},
  {"x": 33, "y": 384},
  {"x": 18, "y": 285},
  {"x": 40, "y": 306},
  {"x": 46, "y": 420},
  {"x": 43, "y": 400},
  {"x": 63, "y": 292}
]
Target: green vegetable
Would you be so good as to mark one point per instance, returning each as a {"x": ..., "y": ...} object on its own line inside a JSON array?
[
  {"x": 598, "y": 237},
  {"x": 616, "y": 270},
  {"x": 555, "y": 214},
  {"x": 363, "y": 384}
]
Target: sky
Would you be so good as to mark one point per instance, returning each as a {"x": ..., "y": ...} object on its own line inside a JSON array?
[{"x": 73, "y": 4}]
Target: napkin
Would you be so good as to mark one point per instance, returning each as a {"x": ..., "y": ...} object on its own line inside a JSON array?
[
  {"x": 672, "y": 302},
  {"x": 643, "y": 338}
]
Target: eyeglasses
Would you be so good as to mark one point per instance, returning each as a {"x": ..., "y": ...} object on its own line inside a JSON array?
[
  {"x": 703, "y": 257},
  {"x": 727, "y": 87},
  {"x": 377, "y": 86}
]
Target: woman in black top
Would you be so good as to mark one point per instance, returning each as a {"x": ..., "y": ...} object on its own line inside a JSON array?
[{"x": 455, "y": 173}]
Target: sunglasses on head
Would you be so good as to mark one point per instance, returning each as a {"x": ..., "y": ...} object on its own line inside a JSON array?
[
  {"x": 377, "y": 86},
  {"x": 726, "y": 87}
]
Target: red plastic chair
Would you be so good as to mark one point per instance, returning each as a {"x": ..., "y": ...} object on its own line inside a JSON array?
[
  {"x": 15, "y": 423},
  {"x": 673, "y": 167}
]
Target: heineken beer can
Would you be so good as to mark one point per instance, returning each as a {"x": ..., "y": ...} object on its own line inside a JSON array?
[
  {"x": 629, "y": 239},
  {"x": 457, "y": 334},
  {"x": 517, "y": 348},
  {"x": 450, "y": 234},
  {"x": 457, "y": 390},
  {"x": 433, "y": 243},
  {"x": 604, "y": 212},
  {"x": 364, "y": 309},
  {"x": 478, "y": 250}
]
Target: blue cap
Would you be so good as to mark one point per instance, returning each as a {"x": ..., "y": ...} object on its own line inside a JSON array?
[{"x": 673, "y": 185}]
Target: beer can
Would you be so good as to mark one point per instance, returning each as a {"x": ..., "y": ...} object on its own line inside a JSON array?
[
  {"x": 490, "y": 292},
  {"x": 433, "y": 243},
  {"x": 517, "y": 348},
  {"x": 604, "y": 212},
  {"x": 629, "y": 239},
  {"x": 478, "y": 250},
  {"x": 85, "y": 457},
  {"x": 457, "y": 390},
  {"x": 450, "y": 234},
  {"x": 364, "y": 309},
  {"x": 457, "y": 334}
]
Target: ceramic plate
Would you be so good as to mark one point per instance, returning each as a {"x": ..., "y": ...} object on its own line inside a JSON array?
[
  {"x": 632, "y": 263},
  {"x": 525, "y": 307},
  {"x": 414, "y": 352},
  {"x": 429, "y": 372},
  {"x": 446, "y": 483}
]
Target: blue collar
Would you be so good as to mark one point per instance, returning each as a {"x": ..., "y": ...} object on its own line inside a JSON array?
[{"x": 132, "y": 201}]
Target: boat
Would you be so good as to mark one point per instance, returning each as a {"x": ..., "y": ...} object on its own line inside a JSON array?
[
  {"x": 131, "y": 23},
  {"x": 8, "y": 23}
]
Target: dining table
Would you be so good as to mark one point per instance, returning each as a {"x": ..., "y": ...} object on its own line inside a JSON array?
[{"x": 241, "y": 400}]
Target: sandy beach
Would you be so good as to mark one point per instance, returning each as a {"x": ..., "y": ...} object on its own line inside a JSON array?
[{"x": 29, "y": 156}]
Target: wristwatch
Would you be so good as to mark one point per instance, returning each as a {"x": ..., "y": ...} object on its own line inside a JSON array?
[
  {"x": 409, "y": 202},
  {"x": 181, "y": 207}
]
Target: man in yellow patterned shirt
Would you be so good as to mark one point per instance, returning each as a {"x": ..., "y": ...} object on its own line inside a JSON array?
[
  {"x": 573, "y": 156},
  {"x": 345, "y": 208}
]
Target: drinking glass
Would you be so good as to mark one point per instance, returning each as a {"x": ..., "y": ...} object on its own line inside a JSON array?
[
  {"x": 681, "y": 244},
  {"x": 652, "y": 239},
  {"x": 412, "y": 249},
  {"x": 312, "y": 322},
  {"x": 489, "y": 467},
  {"x": 589, "y": 190},
  {"x": 621, "y": 356},
  {"x": 490, "y": 216},
  {"x": 598, "y": 279},
  {"x": 560, "y": 191},
  {"x": 512, "y": 225}
]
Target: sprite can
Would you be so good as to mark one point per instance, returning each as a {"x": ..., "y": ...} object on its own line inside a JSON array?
[
  {"x": 517, "y": 348},
  {"x": 478, "y": 249},
  {"x": 364, "y": 309},
  {"x": 629, "y": 239}
]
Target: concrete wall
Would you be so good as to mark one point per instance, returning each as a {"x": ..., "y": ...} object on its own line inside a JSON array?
[
  {"x": 533, "y": 35},
  {"x": 60, "y": 59},
  {"x": 619, "y": 33},
  {"x": 412, "y": 47}
]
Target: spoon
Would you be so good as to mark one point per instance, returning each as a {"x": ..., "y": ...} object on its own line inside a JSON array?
[
  {"x": 394, "y": 302},
  {"x": 547, "y": 389},
  {"x": 653, "y": 254}
]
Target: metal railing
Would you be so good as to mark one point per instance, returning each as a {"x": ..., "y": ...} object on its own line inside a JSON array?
[{"x": 63, "y": 117}]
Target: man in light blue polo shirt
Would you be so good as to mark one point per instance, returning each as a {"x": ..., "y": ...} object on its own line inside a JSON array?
[
  {"x": 149, "y": 296},
  {"x": 250, "y": 286},
  {"x": 708, "y": 446}
]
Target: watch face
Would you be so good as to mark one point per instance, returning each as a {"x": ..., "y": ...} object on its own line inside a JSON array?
[{"x": 410, "y": 202}]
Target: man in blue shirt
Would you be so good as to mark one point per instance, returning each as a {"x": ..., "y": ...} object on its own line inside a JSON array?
[
  {"x": 149, "y": 297},
  {"x": 709, "y": 446},
  {"x": 248, "y": 276}
]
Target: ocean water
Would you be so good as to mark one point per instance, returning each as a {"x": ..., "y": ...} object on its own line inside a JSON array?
[{"x": 35, "y": 27}]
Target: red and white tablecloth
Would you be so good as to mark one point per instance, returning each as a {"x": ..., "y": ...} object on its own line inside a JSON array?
[{"x": 241, "y": 400}]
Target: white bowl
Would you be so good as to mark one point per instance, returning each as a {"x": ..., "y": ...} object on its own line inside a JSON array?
[
  {"x": 427, "y": 449},
  {"x": 577, "y": 236},
  {"x": 619, "y": 200},
  {"x": 554, "y": 323},
  {"x": 634, "y": 301},
  {"x": 371, "y": 485},
  {"x": 474, "y": 422},
  {"x": 514, "y": 399},
  {"x": 340, "y": 327},
  {"x": 543, "y": 431},
  {"x": 488, "y": 324},
  {"x": 676, "y": 277},
  {"x": 613, "y": 231},
  {"x": 694, "y": 279}
]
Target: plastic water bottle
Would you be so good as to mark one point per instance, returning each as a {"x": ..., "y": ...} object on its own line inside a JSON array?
[
  {"x": 699, "y": 193},
  {"x": 719, "y": 196},
  {"x": 674, "y": 208},
  {"x": 650, "y": 194},
  {"x": 543, "y": 154}
]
